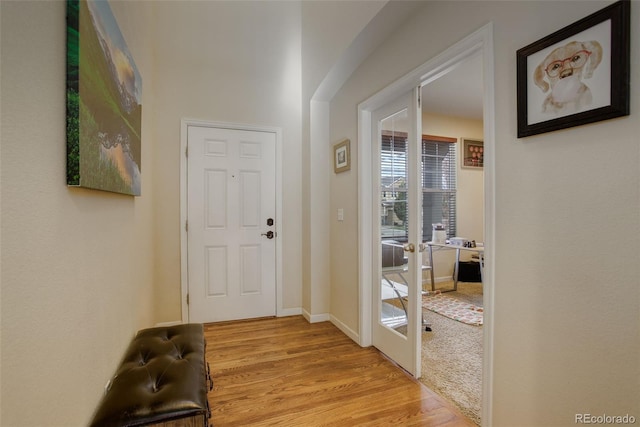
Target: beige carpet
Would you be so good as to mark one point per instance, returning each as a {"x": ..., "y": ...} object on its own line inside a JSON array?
[{"x": 452, "y": 355}]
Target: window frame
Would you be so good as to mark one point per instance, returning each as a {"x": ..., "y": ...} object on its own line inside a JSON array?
[{"x": 452, "y": 224}]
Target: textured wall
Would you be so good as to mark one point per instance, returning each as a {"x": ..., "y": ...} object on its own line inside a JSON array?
[
  {"x": 77, "y": 265},
  {"x": 236, "y": 62},
  {"x": 566, "y": 329}
]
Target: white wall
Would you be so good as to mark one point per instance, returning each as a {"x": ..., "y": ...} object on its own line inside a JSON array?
[
  {"x": 77, "y": 265},
  {"x": 566, "y": 337},
  {"x": 83, "y": 270},
  {"x": 236, "y": 62},
  {"x": 321, "y": 50}
]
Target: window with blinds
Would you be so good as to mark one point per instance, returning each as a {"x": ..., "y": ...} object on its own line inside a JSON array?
[
  {"x": 438, "y": 185},
  {"x": 438, "y": 175},
  {"x": 393, "y": 185}
]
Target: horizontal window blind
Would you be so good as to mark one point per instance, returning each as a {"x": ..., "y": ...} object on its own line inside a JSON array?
[
  {"x": 393, "y": 182},
  {"x": 438, "y": 187},
  {"x": 438, "y": 174}
]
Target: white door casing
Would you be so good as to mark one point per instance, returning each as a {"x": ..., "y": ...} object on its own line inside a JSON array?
[{"x": 230, "y": 271}]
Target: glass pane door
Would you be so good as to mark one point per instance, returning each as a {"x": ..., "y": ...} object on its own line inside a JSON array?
[
  {"x": 396, "y": 287},
  {"x": 394, "y": 221}
]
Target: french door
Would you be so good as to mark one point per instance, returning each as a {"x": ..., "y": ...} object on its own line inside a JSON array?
[{"x": 396, "y": 207}]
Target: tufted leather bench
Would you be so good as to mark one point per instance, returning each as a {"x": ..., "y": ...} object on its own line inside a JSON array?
[{"x": 163, "y": 379}]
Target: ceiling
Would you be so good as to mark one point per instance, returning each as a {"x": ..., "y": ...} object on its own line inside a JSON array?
[{"x": 457, "y": 93}]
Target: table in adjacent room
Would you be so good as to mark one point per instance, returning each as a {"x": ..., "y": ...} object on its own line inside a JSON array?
[{"x": 440, "y": 246}]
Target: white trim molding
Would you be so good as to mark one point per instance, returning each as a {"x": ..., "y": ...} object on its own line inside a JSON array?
[
  {"x": 315, "y": 318},
  {"x": 344, "y": 328},
  {"x": 285, "y": 312},
  {"x": 168, "y": 324}
]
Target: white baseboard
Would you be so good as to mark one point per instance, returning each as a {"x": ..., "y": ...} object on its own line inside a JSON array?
[
  {"x": 315, "y": 318},
  {"x": 165, "y": 324},
  {"x": 285, "y": 312},
  {"x": 282, "y": 313},
  {"x": 325, "y": 317},
  {"x": 345, "y": 329}
]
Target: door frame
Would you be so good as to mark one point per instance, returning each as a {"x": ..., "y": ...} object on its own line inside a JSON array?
[
  {"x": 184, "y": 247},
  {"x": 479, "y": 41}
]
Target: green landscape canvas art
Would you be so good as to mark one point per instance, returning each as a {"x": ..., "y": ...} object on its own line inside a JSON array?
[{"x": 104, "y": 108}]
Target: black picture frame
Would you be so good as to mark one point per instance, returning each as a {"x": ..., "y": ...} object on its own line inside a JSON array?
[{"x": 597, "y": 49}]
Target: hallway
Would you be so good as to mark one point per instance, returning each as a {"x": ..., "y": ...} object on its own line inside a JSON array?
[{"x": 288, "y": 372}]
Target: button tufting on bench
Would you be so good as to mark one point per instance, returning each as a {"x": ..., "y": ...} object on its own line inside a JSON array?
[{"x": 163, "y": 376}]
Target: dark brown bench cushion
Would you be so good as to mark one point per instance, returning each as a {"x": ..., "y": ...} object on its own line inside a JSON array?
[{"x": 162, "y": 377}]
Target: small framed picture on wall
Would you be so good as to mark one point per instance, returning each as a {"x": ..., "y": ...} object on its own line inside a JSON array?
[
  {"x": 472, "y": 153},
  {"x": 342, "y": 156}
]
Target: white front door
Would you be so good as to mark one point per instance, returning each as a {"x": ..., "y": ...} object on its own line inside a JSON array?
[
  {"x": 231, "y": 215},
  {"x": 396, "y": 287}
]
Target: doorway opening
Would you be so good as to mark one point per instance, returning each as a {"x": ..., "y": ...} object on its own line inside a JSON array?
[
  {"x": 452, "y": 347},
  {"x": 477, "y": 45}
]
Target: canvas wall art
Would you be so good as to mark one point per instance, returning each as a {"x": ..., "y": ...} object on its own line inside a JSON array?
[{"x": 104, "y": 108}]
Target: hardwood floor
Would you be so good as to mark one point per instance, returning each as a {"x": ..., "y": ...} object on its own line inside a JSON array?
[{"x": 288, "y": 372}]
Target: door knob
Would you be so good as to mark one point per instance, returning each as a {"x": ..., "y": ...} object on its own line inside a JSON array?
[
  {"x": 409, "y": 247},
  {"x": 269, "y": 234}
]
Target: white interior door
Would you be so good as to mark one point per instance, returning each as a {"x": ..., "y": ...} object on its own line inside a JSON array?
[
  {"x": 231, "y": 214},
  {"x": 396, "y": 293}
]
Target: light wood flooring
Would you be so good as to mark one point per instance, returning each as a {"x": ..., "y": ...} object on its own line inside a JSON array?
[{"x": 288, "y": 372}]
